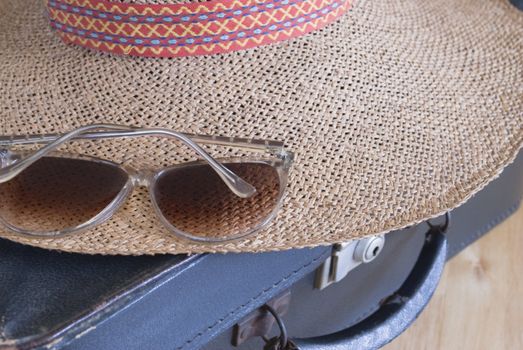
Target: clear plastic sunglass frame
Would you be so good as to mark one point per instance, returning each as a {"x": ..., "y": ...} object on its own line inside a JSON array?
[{"x": 13, "y": 163}]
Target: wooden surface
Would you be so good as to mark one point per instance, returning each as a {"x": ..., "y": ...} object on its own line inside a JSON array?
[{"x": 479, "y": 302}]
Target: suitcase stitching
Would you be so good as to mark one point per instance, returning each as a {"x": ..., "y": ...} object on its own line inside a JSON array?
[{"x": 253, "y": 299}]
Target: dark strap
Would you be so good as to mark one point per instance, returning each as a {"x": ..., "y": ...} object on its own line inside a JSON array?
[{"x": 398, "y": 311}]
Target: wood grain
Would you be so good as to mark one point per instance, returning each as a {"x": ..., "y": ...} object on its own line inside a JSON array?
[{"x": 479, "y": 302}]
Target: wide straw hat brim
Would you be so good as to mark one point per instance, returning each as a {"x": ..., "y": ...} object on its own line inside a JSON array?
[{"x": 397, "y": 112}]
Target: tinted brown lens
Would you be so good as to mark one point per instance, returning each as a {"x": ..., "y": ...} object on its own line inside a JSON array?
[
  {"x": 58, "y": 193},
  {"x": 195, "y": 200}
]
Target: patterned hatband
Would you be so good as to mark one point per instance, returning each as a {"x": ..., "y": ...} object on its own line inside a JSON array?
[{"x": 187, "y": 29}]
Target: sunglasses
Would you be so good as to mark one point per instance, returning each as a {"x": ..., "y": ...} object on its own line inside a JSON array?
[{"x": 48, "y": 194}]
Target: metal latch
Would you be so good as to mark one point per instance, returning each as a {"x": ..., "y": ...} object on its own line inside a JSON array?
[
  {"x": 259, "y": 322},
  {"x": 346, "y": 257}
]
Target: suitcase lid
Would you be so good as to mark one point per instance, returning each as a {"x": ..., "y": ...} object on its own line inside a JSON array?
[{"x": 51, "y": 298}]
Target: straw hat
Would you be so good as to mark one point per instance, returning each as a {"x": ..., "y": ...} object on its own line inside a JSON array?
[{"x": 396, "y": 110}]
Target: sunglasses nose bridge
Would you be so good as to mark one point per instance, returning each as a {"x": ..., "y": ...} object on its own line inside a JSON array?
[{"x": 142, "y": 178}]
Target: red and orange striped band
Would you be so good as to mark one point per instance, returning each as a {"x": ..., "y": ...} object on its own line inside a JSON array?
[{"x": 187, "y": 29}]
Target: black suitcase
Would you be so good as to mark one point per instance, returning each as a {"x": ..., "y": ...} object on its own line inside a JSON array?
[{"x": 322, "y": 298}]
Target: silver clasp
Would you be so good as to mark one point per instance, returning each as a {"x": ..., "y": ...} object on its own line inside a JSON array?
[{"x": 346, "y": 257}]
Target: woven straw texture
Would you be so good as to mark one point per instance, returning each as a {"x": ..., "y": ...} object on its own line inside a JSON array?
[{"x": 397, "y": 112}]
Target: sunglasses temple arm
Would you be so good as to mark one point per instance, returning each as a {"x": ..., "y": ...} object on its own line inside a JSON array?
[
  {"x": 12, "y": 170},
  {"x": 236, "y": 184},
  {"x": 235, "y": 142}
]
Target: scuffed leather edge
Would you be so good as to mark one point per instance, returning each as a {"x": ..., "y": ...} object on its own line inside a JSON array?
[{"x": 85, "y": 323}]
